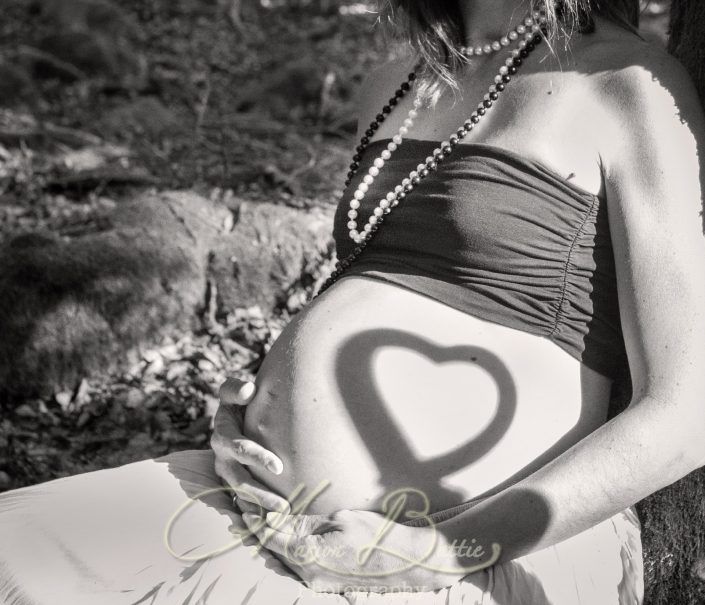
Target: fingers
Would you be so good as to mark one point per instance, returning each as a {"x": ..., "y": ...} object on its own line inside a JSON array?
[
  {"x": 250, "y": 453},
  {"x": 276, "y": 541},
  {"x": 237, "y": 392},
  {"x": 300, "y": 525},
  {"x": 249, "y": 490}
]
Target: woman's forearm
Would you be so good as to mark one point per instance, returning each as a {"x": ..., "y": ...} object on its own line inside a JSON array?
[{"x": 650, "y": 445}]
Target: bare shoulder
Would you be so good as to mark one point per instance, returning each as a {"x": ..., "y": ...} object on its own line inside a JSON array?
[{"x": 377, "y": 88}]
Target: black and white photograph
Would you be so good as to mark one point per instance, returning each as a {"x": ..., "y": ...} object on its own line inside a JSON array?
[{"x": 396, "y": 302}]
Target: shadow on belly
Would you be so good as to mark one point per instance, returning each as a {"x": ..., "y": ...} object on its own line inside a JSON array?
[{"x": 395, "y": 459}]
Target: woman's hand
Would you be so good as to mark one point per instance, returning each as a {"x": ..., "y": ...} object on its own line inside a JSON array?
[
  {"x": 233, "y": 451},
  {"x": 353, "y": 550}
]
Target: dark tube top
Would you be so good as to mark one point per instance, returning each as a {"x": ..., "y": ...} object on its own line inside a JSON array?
[{"x": 500, "y": 237}]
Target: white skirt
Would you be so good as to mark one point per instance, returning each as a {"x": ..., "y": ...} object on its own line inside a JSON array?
[{"x": 145, "y": 533}]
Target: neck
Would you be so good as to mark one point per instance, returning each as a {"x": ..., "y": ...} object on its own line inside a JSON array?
[{"x": 487, "y": 20}]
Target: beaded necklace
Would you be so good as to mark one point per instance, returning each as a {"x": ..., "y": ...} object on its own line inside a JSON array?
[{"x": 532, "y": 36}]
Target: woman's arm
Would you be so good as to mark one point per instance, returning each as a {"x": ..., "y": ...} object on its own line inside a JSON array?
[{"x": 655, "y": 138}]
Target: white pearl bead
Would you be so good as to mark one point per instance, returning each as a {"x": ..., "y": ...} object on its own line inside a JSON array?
[
  {"x": 358, "y": 195},
  {"x": 363, "y": 187},
  {"x": 478, "y": 50},
  {"x": 384, "y": 204},
  {"x": 535, "y": 28},
  {"x": 487, "y": 49},
  {"x": 420, "y": 167},
  {"x": 486, "y": 97},
  {"x": 386, "y": 154},
  {"x": 437, "y": 150},
  {"x": 504, "y": 41},
  {"x": 368, "y": 226},
  {"x": 408, "y": 122},
  {"x": 469, "y": 52},
  {"x": 352, "y": 213},
  {"x": 493, "y": 88},
  {"x": 403, "y": 130},
  {"x": 520, "y": 29},
  {"x": 373, "y": 220},
  {"x": 516, "y": 53},
  {"x": 503, "y": 70},
  {"x": 429, "y": 159},
  {"x": 392, "y": 146},
  {"x": 509, "y": 62},
  {"x": 513, "y": 35},
  {"x": 413, "y": 114},
  {"x": 397, "y": 139},
  {"x": 496, "y": 46},
  {"x": 378, "y": 211},
  {"x": 398, "y": 189},
  {"x": 352, "y": 224},
  {"x": 417, "y": 103},
  {"x": 353, "y": 233},
  {"x": 367, "y": 179},
  {"x": 379, "y": 163},
  {"x": 390, "y": 196},
  {"x": 374, "y": 171},
  {"x": 498, "y": 79},
  {"x": 405, "y": 182},
  {"x": 528, "y": 21},
  {"x": 522, "y": 44},
  {"x": 354, "y": 204},
  {"x": 413, "y": 174}
]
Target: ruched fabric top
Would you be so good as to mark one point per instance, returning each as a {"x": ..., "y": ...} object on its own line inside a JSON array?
[{"x": 500, "y": 237}]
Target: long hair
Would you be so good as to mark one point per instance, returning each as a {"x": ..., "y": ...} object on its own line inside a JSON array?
[{"x": 434, "y": 29}]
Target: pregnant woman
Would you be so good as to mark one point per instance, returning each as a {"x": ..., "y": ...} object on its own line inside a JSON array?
[{"x": 520, "y": 245}]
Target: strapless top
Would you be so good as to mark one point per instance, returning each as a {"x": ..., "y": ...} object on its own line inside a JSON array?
[{"x": 500, "y": 237}]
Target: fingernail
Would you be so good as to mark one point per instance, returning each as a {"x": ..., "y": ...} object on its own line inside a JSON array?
[
  {"x": 273, "y": 467},
  {"x": 246, "y": 390}
]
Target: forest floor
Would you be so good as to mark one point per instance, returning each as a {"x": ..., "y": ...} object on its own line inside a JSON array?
[{"x": 180, "y": 94}]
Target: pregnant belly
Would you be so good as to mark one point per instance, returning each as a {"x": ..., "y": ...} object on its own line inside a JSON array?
[{"x": 374, "y": 388}]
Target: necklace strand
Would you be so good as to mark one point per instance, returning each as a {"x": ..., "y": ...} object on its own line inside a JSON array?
[
  {"x": 531, "y": 38},
  {"x": 515, "y": 33}
]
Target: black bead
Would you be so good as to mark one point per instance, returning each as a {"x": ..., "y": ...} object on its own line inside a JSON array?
[
  {"x": 537, "y": 39},
  {"x": 386, "y": 109},
  {"x": 423, "y": 172},
  {"x": 461, "y": 133},
  {"x": 415, "y": 180},
  {"x": 530, "y": 46},
  {"x": 447, "y": 149},
  {"x": 487, "y": 103},
  {"x": 432, "y": 165},
  {"x": 401, "y": 195},
  {"x": 481, "y": 111},
  {"x": 474, "y": 118},
  {"x": 369, "y": 132},
  {"x": 494, "y": 96},
  {"x": 523, "y": 53},
  {"x": 373, "y": 228},
  {"x": 360, "y": 149},
  {"x": 345, "y": 263},
  {"x": 453, "y": 139},
  {"x": 380, "y": 117},
  {"x": 363, "y": 243},
  {"x": 357, "y": 250},
  {"x": 412, "y": 76},
  {"x": 374, "y": 126},
  {"x": 517, "y": 61},
  {"x": 393, "y": 101},
  {"x": 380, "y": 220},
  {"x": 408, "y": 188},
  {"x": 347, "y": 182},
  {"x": 365, "y": 140},
  {"x": 500, "y": 87},
  {"x": 354, "y": 166},
  {"x": 357, "y": 157},
  {"x": 506, "y": 78},
  {"x": 511, "y": 69},
  {"x": 351, "y": 174},
  {"x": 399, "y": 94},
  {"x": 405, "y": 87}
]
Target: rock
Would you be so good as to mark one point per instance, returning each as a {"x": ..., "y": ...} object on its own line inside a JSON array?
[
  {"x": 76, "y": 308},
  {"x": 267, "y": 251}
]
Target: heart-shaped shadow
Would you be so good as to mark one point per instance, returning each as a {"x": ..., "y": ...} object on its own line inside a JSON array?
[{"x": 395, "y": 459}]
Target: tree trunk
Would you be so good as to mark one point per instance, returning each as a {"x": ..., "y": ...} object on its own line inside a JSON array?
[{"x": 674, "y": 518}]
